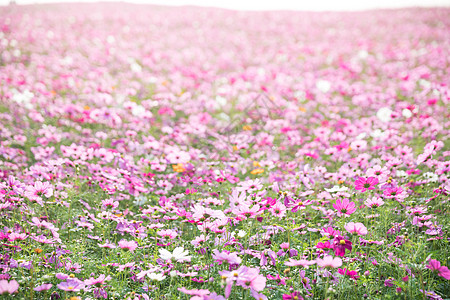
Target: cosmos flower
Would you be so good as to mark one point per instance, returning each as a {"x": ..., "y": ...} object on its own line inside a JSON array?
[
  {"x": 71, "y": 285},
  {"x": 302, "y": 262},
  {"x": 350, "y": 273},
  {"x": 442, "y": 271},
  {"x": 8, "y": 287},
  {"x": 156, "y": 276},
  {"x": 329, "y": 262},
  {"x": 357, "y": 228},
  {"x": 97, "y": 281},
  {"x": 344, "y": 207},
  {"x": 225, "y": 256},
  {"x": 128, "y": 245},
  {"x": 43, "y": 287},
  {"x": 340, "y": 244},
  {"x": 39, "y": 189},
  {"x": 293, "y": 296},
  {"x": 364, "y": 184},
  {"x": 374, "y": 202},
  {"x": 305, "y": 280},
  {"x": 179, "y": 254}
]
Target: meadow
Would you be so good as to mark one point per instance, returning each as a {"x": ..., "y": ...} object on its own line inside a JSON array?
[{"x": 151, "y": 152}]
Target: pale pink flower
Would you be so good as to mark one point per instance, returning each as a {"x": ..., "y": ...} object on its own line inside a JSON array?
[
  {"x": 39, "y": 189},
  {"x": 329, "y": 262},
  {"x": 8, "y": 287},
  {"x": 357, "y": 228},
  {"x": 302, "y": 262},
  {"x": 128, "y": 245}
]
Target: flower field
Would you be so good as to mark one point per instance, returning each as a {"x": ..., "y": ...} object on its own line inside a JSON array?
[{"x": 151, "y": 152}]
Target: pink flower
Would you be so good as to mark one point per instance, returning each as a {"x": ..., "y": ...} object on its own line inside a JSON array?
[
  {"x": 128, "y": 245},
  {"x": 252, "y": 279},
  {"x": 230, "y": 258},
  {"x": 258, "y": 296},
  {"x": 71, "y": 285},
  {"x": 244, "y": 211},
  {"x": 435, "y": 265},
  {"x": 393, "y": 192},
  {"x": 344, "y": 207},
  {"x": 43, "y": 287},
  {"x": 302, "y": 262},
  {"x": 194, "y": 292},
  {"x": 35, "y": 193},
  {"x": 97, "y": 281},
  {"x": 378, "y": 171},
  {"x": 329, "y": 262},
  {"x": 110, "y": 203},
  {"x": 8, "y": 287},
  {"x": 374, "y": 202},
  {"x": 366, "y": 184},
  {"x": 357, "y": 228},
  {"x": 278, "y": 210},
  {"x": 330, "y": 232}
]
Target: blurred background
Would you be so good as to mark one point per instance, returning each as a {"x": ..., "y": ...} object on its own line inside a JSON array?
[{"x": 316, "y": 5}]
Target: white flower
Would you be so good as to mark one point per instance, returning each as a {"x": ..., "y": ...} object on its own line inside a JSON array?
[
  {"x": 323, "y": 85},
  {"x": 377, "y": 133},
  {"x": 363, "y": 54},
  {"x": 156, "y": 276},
  {"x": 135, "y": 67},
  {"x": 384, "y": 114},
  {"x": 221, "y": 101},
  {"x": 178, "y": 254},
  {"x": 140, "y": 200},
  {"x": 337, "y": 188},
  {"x": 138, "y": 110},
  {"x": 406, "y": 113},
  {"x": 361, "y": 136},
  {"x": 431, "y": 176},
  {"x": 241, "y": 233},
  {"x": 401, "y": 173}
]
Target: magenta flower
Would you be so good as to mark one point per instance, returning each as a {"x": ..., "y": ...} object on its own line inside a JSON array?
[
  {"x": 324, "y": 245},
  {"x": 293, "y": 296},
  {"x": 340, "y": 244},
  {"x": 280, "y": 280},
  {"x": 344, "y": 207},
  {"x": 8, "y": 287},
  {"x": 305, "y": 280},
  {"x": 350, "y": 273},
  {"x": 364, "y": 184},
  {"x": 435, "y": 265},
  {"x": 357, "y": 228}
]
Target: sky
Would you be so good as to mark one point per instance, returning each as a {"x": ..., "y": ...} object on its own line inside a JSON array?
[{"x": 313, "y": 5}]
